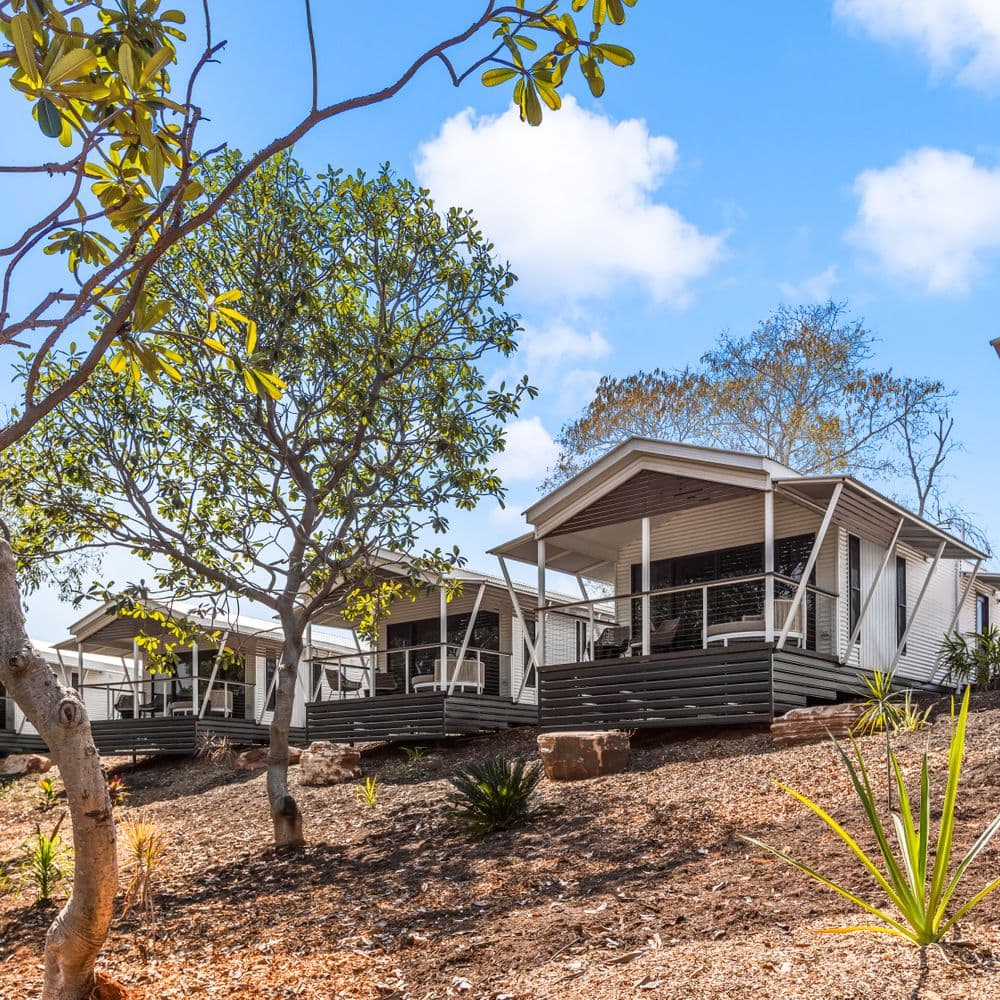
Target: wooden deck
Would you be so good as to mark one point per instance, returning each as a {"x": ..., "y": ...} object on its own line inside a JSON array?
[
  {"x": 424, "y": 715},
  {"x": 178, "y": 735},
  {"x": 741, "y": 685}
]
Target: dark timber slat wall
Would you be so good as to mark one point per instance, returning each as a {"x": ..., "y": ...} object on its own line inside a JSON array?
[
  {"x": 423, "y": 715},
  {"x": 178, "y": 735},
  {"x": 703, "y": 687},
  {"x": 11, "y": 742}
]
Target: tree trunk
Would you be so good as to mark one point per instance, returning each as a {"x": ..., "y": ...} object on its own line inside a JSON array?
[
  {"x": 75, "y": 938},
  {"x": 285, "y": 812}
]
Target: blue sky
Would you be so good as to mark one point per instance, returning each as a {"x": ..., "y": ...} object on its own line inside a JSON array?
[{"x": 755, "y": 154}]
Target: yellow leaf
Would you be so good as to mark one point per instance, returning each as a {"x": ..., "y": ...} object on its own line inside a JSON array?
[
  {"x": 126, "y": 67},
  {"x": 216, "y": 345},
  {"x": 71, "y": 66},
  {"x": 231, "y": 296},
  {"x": 248, "y": 381},
  {"x": 23, "y": 37},
  {"x": 154, "y": 64},
  {"x": 251, "y": 337}
]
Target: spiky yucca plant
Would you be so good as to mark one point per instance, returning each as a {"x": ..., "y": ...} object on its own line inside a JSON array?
[
  {"x": 495, "y": 793},
  {"x": 917, "y": 885},
  {"x": 142, "y": 845},
  {"x": 45, "y": 861}
]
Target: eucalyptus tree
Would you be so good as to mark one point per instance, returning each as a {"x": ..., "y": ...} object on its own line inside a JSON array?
[
  {"x": 360, "y": 414},
  {"x": 111, "y": 186},
  {"x": 799, "y": 388}
]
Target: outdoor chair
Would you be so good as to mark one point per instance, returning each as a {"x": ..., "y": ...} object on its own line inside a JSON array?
[
  {"x": 221, "y": 702},
  {"x": 661, "y": 639},
  {"x": 182, "y": 706},
  {"x": 751, "y": 627},
  {"x": 340, "y": 684},
  {"x": 612, "y": 642},
  {"x": 386, "y": 683},
  {"x": 152, "y": 707},
  {"x": 422, "y": 682},
  {"x": 470, "y": 675},
  {"x": 125, "y": 706}
]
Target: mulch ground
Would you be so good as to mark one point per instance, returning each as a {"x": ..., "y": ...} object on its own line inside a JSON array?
[{"x": 634, "y": 885}]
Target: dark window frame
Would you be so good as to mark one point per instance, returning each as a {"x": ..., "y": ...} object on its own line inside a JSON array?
[
  {"x": 982, "y": 612},
  {"x": 901, "y": 606},
  {"x": 854, "y": 582},
  {"x": 270, "y": 669}
]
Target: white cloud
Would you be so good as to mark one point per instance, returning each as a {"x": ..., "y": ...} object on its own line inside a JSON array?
[
  {"x": 571, "y": 204},
  {"x": 530, "y": 451},
  {"x": 815, "y": 288},
  {"x": 953, "y": 35},
  {"x": 932, "y": 217},
  {"x": 559, "y": 360}
]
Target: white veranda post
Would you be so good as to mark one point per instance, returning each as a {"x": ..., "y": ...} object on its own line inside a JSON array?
[
  {"x": 540, "y": 628},
  {"x": 901, "y": 645},
  {"x": 769, "y": 564},
  {"x": 532, "y": 659},
  {"x": 443, "y": 635},
  {"x": 646, "y": 545}
]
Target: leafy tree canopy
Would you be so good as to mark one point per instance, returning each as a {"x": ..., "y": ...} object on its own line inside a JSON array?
[{"x": 374, "y": 313}]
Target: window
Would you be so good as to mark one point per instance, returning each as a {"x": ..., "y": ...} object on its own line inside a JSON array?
[
  {"x": 74, "y": 680},
  {"x": 982, "y": 612},
  {"x": 900, "y": 599},
  {"x": 270, "y": 669},
  {"x": 854, "y": 579},
  {"x": 315, "y": 675}
]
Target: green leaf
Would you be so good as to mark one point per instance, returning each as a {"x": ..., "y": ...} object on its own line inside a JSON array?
[
  {"x": 23, "y": 36},
  {"x": 531, "y": 108},
  {"x": 49, "y": 119},
  {"x": 126, "y": 64},
  {"x": 494, "y": 77},
  {"x": 617, "y": 54}
]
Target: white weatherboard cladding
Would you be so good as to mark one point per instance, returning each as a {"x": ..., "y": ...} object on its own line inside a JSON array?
[
  {"x": 878, "y": 631},
  {"x": 518, "y": 660}
]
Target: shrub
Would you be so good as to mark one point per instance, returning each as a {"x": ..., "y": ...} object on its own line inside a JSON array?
[
  {"x": 117, "y": 790},
  {"x": 415, "y": 755},
  {"x": 367, "y": 792},
  {"x": 45, "y": 861},
  {"x": 142, "y": 847},
  {"x": 917, "y": 883},
  {"x": 974, "y": 657},
  {"x": 496, "y": 793},
  {"x": 911, "y": 716}
]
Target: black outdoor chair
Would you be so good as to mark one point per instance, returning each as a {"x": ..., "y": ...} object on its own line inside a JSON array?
[
  {"x": 125, "y": 706},
  {"x": 661, "y": 639},
  {"x": 612, "y": 642},
  {"x": 152, "y": 707},
  {"x": 338, "y": 683}
]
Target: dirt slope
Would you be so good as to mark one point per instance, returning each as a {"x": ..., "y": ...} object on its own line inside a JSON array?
[{"x": 636, "y": 885}]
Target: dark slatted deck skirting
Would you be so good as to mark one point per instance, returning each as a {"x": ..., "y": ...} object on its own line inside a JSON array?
[
  {"x": 423, "y": 715},
  {"x": 741, "y": 685},
  {"x": 175, "y": 735},
  {"x": 11, "y": 742}
]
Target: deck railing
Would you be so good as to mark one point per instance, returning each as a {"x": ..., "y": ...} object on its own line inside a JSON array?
[
  {"x": 712, "y": 613},
  {"x": 411, "y": 668},
  {"x": 152, "y": 697}
]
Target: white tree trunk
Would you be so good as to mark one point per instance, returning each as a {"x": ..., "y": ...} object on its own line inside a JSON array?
[
  {"x": 75, "y": 938},
  {"x": 285, "y": 813}
]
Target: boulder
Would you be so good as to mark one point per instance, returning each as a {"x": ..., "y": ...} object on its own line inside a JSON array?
[
  {"x": 19, "y": 764},
  {"x": 809, "y": 725},
  {"x": 324, "y": 763},
  {"x": 572, "y": 756},
  {"x": 255, "y": 759}
]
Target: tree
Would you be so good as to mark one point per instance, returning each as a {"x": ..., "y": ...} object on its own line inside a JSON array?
[
  {"x": 798, "y": 389},
  {"x": 125, "y": 191},
  {"x": 377, "y": 312}
]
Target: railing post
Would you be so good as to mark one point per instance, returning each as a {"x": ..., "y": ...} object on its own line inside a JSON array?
[
  {"x": 704, "y": 617},
  {"x": 646, "y": 625},
  {"x": 769, "y": 566}
]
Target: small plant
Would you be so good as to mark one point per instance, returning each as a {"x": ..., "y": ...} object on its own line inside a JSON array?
[
  {"x": 495, "y": 794},
  {"x": 48, "y": 797},
  {"x": 44, "y": 861},
  {"x": 143, "y": 851},
  {"x": 911, "y": 716},
  {"x": 215, "y": 749},
  {"x": 880, "y": 713},
  {"x": 415, "y": 755},
  {"x": 917, "y": 883},
  {"x": 367, "y": 792},
  {"x": 117, "y": 790}
]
